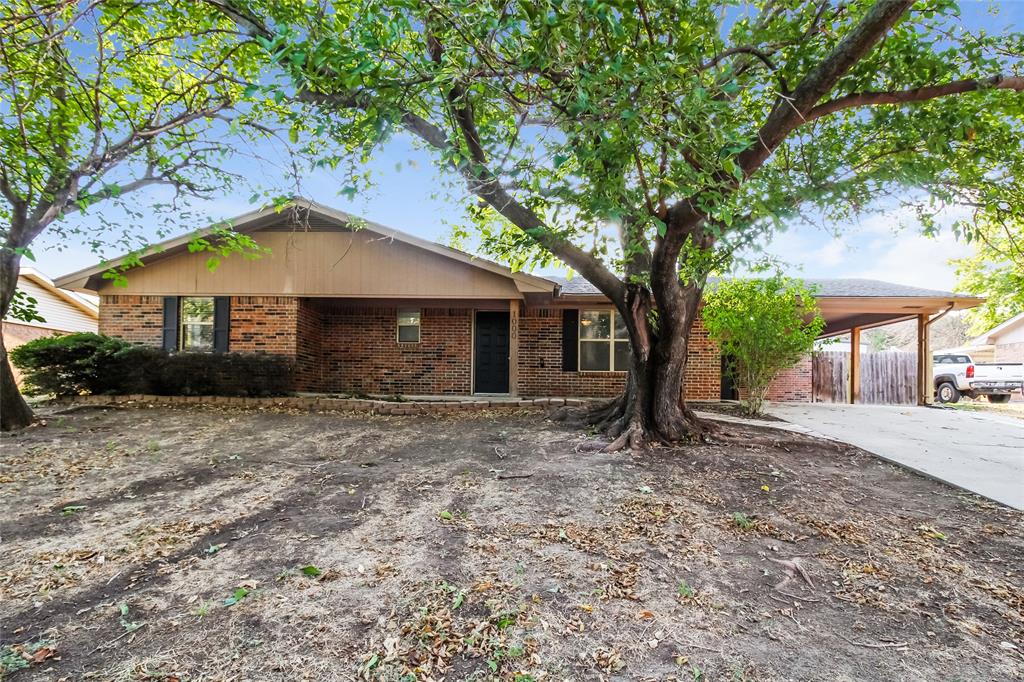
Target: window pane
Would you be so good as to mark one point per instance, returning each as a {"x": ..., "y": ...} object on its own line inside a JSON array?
[
  {"x": 620, "y": 327},
  {"x": 595, "y": 356},
  {"x": 197, "y": 337},
  {"x": 197, "y": 324},
  {"x": 408, "y": 317},
  {"x": 622, "y": 356},
  {"x": 408, "y": 334},
  {"x": 197, "y": 310},
  {"x": 595, "y": 324}
]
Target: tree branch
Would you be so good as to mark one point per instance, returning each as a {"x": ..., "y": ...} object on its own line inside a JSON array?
[
  {"x": 487, "y": 186},
  {"x": 922, "y": 94},
  {"x": 685, "y": 219}
]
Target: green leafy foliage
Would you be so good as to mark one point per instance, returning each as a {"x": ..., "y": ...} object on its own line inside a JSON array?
[
  {"x": 15, "y": 657},
  {"x": 311, "y": 571},
  {"x": 87, "y": 363},
  {"x": 605, "y": 114},
  {"x": 126, "y": 623},
  {"x": 742, "y": 520},
  {"x": 24, "y": 308},
  {"x": 237, "y": 596},
  {"x": 763, "y": 326},
  {"x": 996, "y": 269}
]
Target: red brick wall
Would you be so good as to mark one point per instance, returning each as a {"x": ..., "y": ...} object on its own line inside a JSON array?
[
  {"x": 309, "y": 369},
  {"x": 264, "y": 324},
  {"x": 793, "y": 384},
  {"x": 540, "y": 363},
  {"x": 704, "y": 366},
  {"x": 344, "y": 349},
  {"x": 138, "y": 319},
  {"x": 360, "y": 352}
]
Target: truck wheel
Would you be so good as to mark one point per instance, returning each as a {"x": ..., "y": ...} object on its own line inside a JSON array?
[
  {"x": 1005, "y": 398},
  {"x": 947, "y": 393}
]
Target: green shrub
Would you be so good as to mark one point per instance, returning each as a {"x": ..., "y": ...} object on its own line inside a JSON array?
[
  {"x": 762, "y": 326},
  {"x": 68, "y": 365},
  {"x": 91, "y": 363}
]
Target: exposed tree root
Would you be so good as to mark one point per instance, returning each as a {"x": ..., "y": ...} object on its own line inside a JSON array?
[{"x": 620, "y": 420}]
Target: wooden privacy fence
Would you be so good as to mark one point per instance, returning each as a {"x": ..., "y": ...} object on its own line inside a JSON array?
[{"x": 886, "y": 378}]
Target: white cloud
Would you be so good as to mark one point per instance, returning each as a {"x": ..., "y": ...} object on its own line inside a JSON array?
[{"x": 912, "y": 259}]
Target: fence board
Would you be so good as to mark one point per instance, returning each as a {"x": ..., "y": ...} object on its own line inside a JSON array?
[{"x": 887, "y": 377}]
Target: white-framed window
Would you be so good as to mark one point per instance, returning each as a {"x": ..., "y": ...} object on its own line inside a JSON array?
[
  {"x": 408, "y": 326},
  {"x": 604, "y": 342},
  {"x": 196, "y": 323}
]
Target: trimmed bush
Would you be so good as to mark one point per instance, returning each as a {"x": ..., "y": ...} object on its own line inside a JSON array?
[
  {"x": 69, "y": 365},
  {"x": 91, "y": 363}
]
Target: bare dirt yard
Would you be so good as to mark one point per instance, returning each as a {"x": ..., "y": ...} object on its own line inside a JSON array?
[{"x": 206, "y": 544}]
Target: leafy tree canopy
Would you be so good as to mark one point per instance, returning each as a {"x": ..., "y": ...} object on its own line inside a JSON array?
[
  {"x": 590, "y": 114},
  {"x": 103, "y": 98},
  {"x": 996, "y": 269}
]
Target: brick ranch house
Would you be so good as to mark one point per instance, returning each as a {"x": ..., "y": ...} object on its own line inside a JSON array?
[{"x": 363, "y": 308}]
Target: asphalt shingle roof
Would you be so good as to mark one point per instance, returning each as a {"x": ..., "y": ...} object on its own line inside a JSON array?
[{"x": 827, "y": 288}]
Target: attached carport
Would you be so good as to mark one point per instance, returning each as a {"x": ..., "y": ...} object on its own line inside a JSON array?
[{"x": 850, "y": 306}]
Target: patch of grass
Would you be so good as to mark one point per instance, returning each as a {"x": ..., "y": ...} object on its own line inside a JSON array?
[
  {"x": 128, "y": 625},
  {"x": 742, "y": 520},
  {"x": 15, "y": 657},
  {"x": 684, "y": 590},
  {"x": 203, "y": 609},
  {"x": 71, "y": 510}
]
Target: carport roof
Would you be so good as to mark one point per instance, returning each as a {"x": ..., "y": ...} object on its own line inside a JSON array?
[
  {"x": 826, "y": 288},
  {"x": 844, "y": 303}
]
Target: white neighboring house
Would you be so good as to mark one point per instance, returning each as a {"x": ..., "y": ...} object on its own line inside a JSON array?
[
  {"x": 1006, "y": 340},
  {"x": 64, "y": 311}
]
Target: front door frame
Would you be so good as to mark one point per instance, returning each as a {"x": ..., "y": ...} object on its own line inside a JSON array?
[{"x": 472, "y": 351}]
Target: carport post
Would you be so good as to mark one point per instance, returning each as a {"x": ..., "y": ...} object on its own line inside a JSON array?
[
  {"x": 924, "y": 362},
  {"x": 855, "y": 364}
]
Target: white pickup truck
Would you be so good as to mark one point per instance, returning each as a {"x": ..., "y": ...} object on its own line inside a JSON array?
[{"x": 957, "y": 375}]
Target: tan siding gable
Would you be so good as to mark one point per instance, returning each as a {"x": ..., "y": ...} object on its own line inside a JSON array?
[{"x": 321, "y": 263}]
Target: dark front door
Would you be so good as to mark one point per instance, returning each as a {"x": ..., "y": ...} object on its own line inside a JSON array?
[
  {"x": 490, "y": 352},
  {"x": 730, "y": 391}
]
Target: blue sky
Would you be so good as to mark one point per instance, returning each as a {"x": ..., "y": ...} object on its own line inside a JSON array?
[{"x": 885, "y": 245}]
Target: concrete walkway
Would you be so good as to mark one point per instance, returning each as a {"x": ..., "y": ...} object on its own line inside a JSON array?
[{"x": 980, "y": 452}]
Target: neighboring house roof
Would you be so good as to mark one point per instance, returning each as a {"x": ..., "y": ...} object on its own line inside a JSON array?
[
  {"x": 90, "y": 277},
  {"x": 993, "y": 334},
  {"x": 62, "y": 310},
  {"x": 826, "y": 288}
]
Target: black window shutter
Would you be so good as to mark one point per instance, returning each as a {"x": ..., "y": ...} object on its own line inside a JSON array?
[
  {"x": 570, "y": 340},
  {"x": 171, "y": 309},
  {"x": 221, "y": 323}
]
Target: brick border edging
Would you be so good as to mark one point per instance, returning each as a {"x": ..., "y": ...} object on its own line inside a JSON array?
[{"x": 380, "y": 407}]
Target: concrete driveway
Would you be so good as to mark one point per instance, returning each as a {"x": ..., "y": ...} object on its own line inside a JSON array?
[{"x": 980, "y": 452}]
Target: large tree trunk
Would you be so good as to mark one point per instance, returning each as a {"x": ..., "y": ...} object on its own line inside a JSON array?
[
  {"x": 653, "y": 409},
  {"x": 14, "y": 411}
]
